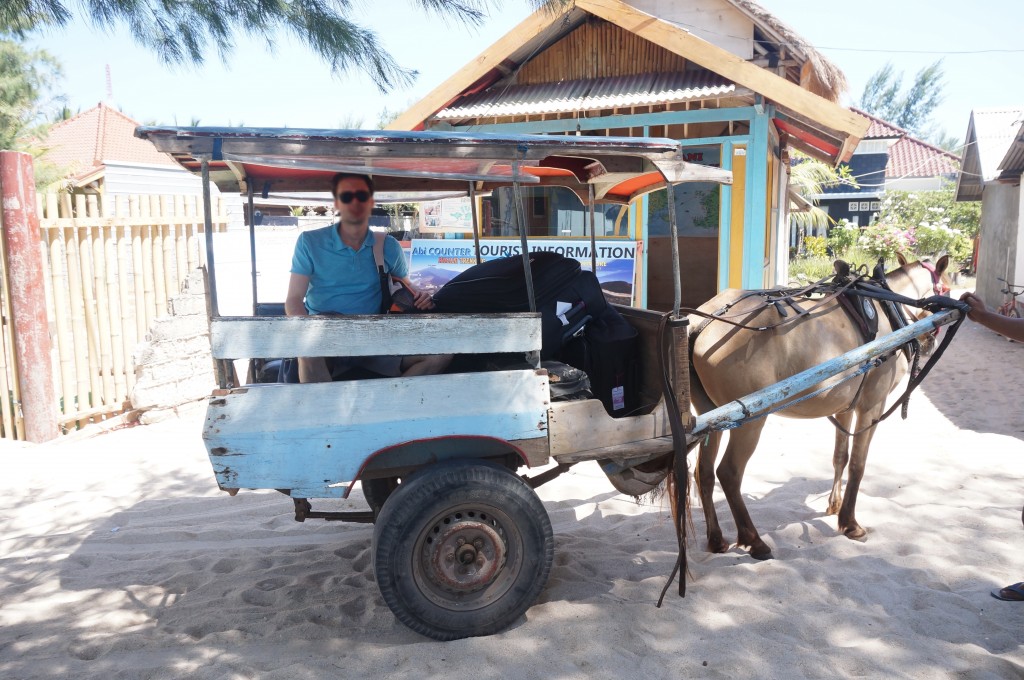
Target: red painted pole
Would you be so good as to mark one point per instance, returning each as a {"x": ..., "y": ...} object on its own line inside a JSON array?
[{"x": 25, "y": 288}]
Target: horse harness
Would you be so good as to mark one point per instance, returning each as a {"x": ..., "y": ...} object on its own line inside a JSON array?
[{"x": 855, "y": 293}]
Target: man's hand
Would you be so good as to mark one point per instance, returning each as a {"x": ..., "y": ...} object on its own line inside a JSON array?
[
  {"x": 422, "y": 300},
  {"x": 978, "y": 309}
]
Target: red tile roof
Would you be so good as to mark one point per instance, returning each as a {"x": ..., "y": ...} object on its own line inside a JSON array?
[
  {"x": 908, "y": 155},
  {"x": 879, "y": 128},
  {"x": 82, "y": 143}
]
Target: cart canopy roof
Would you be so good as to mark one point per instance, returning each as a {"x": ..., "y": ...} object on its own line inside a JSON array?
[{"x": 299, "y": 160}]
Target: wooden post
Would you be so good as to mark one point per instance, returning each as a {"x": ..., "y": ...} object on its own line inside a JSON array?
[{"x": 26, "y": 290}]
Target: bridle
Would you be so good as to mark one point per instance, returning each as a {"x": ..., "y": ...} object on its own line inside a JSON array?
[{"x": 939, "y": 286}]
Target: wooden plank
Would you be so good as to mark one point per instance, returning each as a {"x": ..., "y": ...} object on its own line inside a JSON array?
[
  {"x": 313, "y": 438},
  {"x": 399, "y": 334},
  {"x": 85, "y": 263},
  {"x": 62, "y": 319},
  {"x": 114, "y": 297},
  {"x": 156, "y": 235},
  {"x": 620, "y": 452},
  {"x": 486, "y": 61},
  {"x": 727, "y": 64},
  {"x": 129, "y": 330},
  {"x": 138, "y": 277},
  {"x": 218, "y": 220},
  {"x": 585, "y": 425},
  {"x": 79, "y": 330},
  {"x": 103, "y": 322}
]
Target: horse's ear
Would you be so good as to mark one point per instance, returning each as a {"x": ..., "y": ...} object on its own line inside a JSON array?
[
  {"x": 842, "y": 268},
  {"x": 941, "y": 265},
  {"x": 902, "y": 260}
]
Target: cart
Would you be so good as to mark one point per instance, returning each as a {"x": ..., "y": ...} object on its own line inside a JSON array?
[{"x": 462, "y": 545}]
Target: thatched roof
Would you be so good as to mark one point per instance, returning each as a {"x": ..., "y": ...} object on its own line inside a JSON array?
[{"x": 823, "y": 78}]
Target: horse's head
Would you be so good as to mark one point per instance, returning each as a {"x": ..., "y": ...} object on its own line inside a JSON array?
[{"x": 919, "y": 280}]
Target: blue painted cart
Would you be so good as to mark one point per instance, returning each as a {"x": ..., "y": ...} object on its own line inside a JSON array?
[{"x": 462, "y": 544}]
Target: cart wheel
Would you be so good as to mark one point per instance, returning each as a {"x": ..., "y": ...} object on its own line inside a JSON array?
[
  {"x": 462, "y": 549},
  {"x": 376, "y": 491}
]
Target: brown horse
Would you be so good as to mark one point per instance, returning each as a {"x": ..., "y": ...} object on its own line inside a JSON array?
[{"x": 729, "y": 363}]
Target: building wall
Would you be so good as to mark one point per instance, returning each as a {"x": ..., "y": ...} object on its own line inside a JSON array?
[
  {"x": 716, "y": 21},
  {"x": 125, "y": 179},
  {"x": 1000, "y": 247}
]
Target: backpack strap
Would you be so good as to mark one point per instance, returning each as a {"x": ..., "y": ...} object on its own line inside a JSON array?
[{"x": 382, "y": 273}]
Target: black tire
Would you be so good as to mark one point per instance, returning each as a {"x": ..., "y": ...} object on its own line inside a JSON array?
[
  {"x": 445, "y": 589},
  {"x": 377, "y": 491}
]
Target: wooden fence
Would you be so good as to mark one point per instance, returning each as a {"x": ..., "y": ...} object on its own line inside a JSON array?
[{"x": 111, "y": 265}]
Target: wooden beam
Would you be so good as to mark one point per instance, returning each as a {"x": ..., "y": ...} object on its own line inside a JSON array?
[
  {"x": 727, "y": 64},
  {"x": 489, "y": 59}
]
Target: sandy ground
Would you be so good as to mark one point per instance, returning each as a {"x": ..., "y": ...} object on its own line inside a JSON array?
[{"x": 119, "y": 558}]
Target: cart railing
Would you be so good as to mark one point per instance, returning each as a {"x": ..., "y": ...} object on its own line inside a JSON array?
[{"x": 401, "y": 334}]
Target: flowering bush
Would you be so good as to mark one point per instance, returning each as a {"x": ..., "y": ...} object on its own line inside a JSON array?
[
  {"x": 814, "y": 246},
  {"x": 842, "y": 237},
  {"x": 936, "y": 238},
  {"x": 885, "y": 240}
]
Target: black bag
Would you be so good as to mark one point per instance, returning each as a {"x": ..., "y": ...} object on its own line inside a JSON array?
[
  {"x": 607, "y": 352},
  {"x": 500, "y": 286},
  {"x": 566, "y": 383}
]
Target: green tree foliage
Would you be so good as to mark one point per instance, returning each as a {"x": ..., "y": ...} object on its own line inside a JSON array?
[
  {"x": 26, "y": 79},
  {"x": 27, "y": 107},
  {"x": 181, "y": 31},
  {"x": 910, "y": 109}
]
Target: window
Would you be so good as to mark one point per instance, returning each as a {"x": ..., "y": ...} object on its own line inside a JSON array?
[
  {"x": 865, "y": 206},
  {"x": 876, "y": 205},
  {"x": 853, "y": 206}
]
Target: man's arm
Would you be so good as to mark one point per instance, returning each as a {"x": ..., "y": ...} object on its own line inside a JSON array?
[
  {"x": 294, "y": 303},
  {"x": 1004, "y": 325}
]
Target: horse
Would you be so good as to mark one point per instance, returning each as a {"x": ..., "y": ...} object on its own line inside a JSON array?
[{"x": 729, "y": 362}]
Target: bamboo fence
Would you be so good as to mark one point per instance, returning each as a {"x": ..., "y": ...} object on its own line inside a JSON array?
[{"x": 111, "y": 265}]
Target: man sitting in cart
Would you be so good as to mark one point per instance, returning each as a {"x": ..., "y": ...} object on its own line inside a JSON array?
[{"x": 334, "y": 272}]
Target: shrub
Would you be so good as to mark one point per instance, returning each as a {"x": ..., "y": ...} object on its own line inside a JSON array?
[
  {"x": 885, "y": 240},
  {"x": 937, "y": 238},
  {"x": 842, "y": 237},
  {"x": 814, "y": 246}
]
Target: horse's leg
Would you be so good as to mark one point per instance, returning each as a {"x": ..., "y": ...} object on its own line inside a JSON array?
[
  {"x": 858, "y": 459},
  {"x": 705, "y": 478},
  {"x": 742, "y": 442},
  {"x": 840, "y": 457}
]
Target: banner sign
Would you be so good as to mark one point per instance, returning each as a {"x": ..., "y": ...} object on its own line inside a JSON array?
[
  {"x": 436, "y": 262},
  {"x": 446, "y": 215}
]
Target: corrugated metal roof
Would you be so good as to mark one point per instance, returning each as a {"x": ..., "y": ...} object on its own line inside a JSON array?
[
  {"x": 1013, "y": 162},
  {"x": 995, "y": 130},
  {"x": 590, "y": 94}
]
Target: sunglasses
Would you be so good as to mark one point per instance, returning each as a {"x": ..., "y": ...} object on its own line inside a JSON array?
[{"x": 347, "y": 196}]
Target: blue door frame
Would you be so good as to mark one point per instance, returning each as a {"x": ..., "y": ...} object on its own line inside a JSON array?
[{"x": 755, "y": 199}]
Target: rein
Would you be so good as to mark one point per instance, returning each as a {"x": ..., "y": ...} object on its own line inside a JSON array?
[{"x": 875, "y": 288}]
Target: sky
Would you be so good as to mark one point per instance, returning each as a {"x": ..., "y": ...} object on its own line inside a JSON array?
[{"x": 283, "y": 84}]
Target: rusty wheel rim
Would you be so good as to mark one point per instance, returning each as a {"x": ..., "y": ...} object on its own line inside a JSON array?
[{"x": 467, "y": 557}]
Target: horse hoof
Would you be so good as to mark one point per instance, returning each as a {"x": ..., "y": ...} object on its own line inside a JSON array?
[
  {"x": 719, "y": 547},
  {"x": 856, "y": 533},
  {"x": 761, "y": 556}
]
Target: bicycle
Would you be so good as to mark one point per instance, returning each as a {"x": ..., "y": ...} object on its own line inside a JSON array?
[{"x": 1010, "y": 306}]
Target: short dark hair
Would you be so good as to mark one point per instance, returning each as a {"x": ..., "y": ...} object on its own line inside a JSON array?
[{"x": 350, "y": 175}]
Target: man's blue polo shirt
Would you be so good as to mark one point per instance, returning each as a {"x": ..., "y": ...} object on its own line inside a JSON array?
[{"x": 343, "y": 280}]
